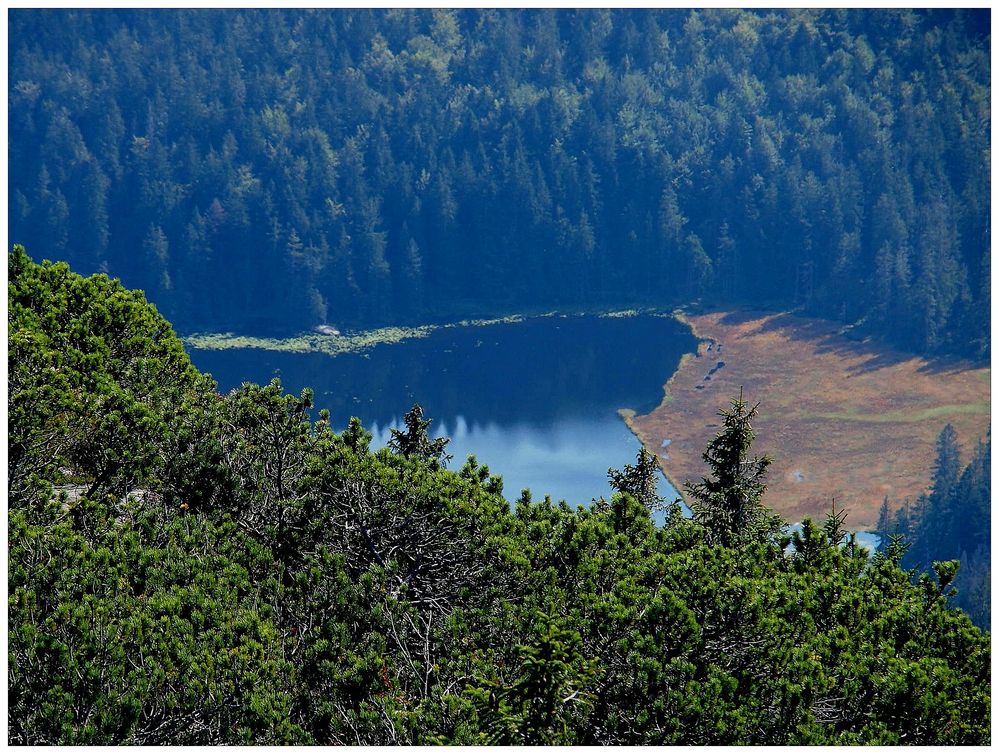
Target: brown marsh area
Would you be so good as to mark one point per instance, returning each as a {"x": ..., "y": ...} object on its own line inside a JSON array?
[{"x": 843, "y": 420}]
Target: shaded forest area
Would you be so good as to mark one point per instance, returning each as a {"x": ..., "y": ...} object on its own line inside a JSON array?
[
  {"x": 952, "y": 521},
  {"x": 187, "y": 567},
  {"x": 267, "y": 170}
]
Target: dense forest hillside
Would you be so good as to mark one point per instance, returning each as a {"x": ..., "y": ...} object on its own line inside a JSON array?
[
  {"x": 191, "y": 567},
  {"x": 268, "y": 170}
]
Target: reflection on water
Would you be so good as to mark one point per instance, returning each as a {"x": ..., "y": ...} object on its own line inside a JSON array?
[
  {"x": 536, "y": 401},
  {"x": 868, "y": 539},
  {"x": 568, "y": 459}
]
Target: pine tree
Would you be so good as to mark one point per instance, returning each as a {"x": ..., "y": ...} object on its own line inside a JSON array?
[
  {"x": 729, "y": 504},
  {"x": 947, "y": 468},
  {"x": 415, "y": 441},
  {"x": 884, "y": 520},
  {"x": 639, "y": 481},
  {"x": 156, "y": 259},
  {"x": 935, "y": 532}
]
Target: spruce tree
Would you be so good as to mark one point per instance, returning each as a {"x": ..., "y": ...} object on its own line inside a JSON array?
[
  {"x": 729, "y": 504},
  {"x": 640, "y": 481},
  {"x": 415, "y": 441},
  {"x": 884, "y": 519},
  {"x": 936, "y": 532},
  {"x": 947, "y": 468}
]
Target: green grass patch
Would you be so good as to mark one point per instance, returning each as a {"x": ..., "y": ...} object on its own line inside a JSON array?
[
  {"x": 908, "y": 416},
  {"x": 625, "y": 313},
  {"x": 332, "y": 345},
  {"x": 508, "y": 320}
]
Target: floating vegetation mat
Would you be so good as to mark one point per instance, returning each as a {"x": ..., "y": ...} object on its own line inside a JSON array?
[{"x": 356, "y": 342}]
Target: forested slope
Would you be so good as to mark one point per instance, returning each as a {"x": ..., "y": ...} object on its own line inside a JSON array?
[
  {"x": 954, "y": 520},
  {"x": 190, "y": 567},
  {"x": 267, "y": 170}
]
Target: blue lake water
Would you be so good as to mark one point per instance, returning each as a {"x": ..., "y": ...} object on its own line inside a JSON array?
[{"x": 537, "y": 401}]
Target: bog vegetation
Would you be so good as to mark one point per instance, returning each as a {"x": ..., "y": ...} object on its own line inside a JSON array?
[
  {"x": 264, "y": 171},
  {"x": 855, "y": 422},
  {"x": 190, "y": 567}
]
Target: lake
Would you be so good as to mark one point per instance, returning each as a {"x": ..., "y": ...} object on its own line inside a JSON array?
[{"x": 536, "y": 400}]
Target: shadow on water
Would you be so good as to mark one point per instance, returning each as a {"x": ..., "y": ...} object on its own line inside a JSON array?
[{"x": 537, "y": 400}]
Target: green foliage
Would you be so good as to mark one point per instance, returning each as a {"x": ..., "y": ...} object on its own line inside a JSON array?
[
  {"x": 415, "y": 442},
  {"x": 544, "y": 704},
  {"x": 98, "y": 381},
  {"x": 640, "y": 481},
  {"x": 268, "y": 581},
  {"x": 138, "y": 630},
  {"x": 729, "y": 504}
]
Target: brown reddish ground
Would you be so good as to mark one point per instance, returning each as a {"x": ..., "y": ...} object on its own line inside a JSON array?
[{"x": 842, "y": 419}]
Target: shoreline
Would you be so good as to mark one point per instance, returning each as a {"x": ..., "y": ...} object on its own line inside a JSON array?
[{"x": 628, "y": 415}]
